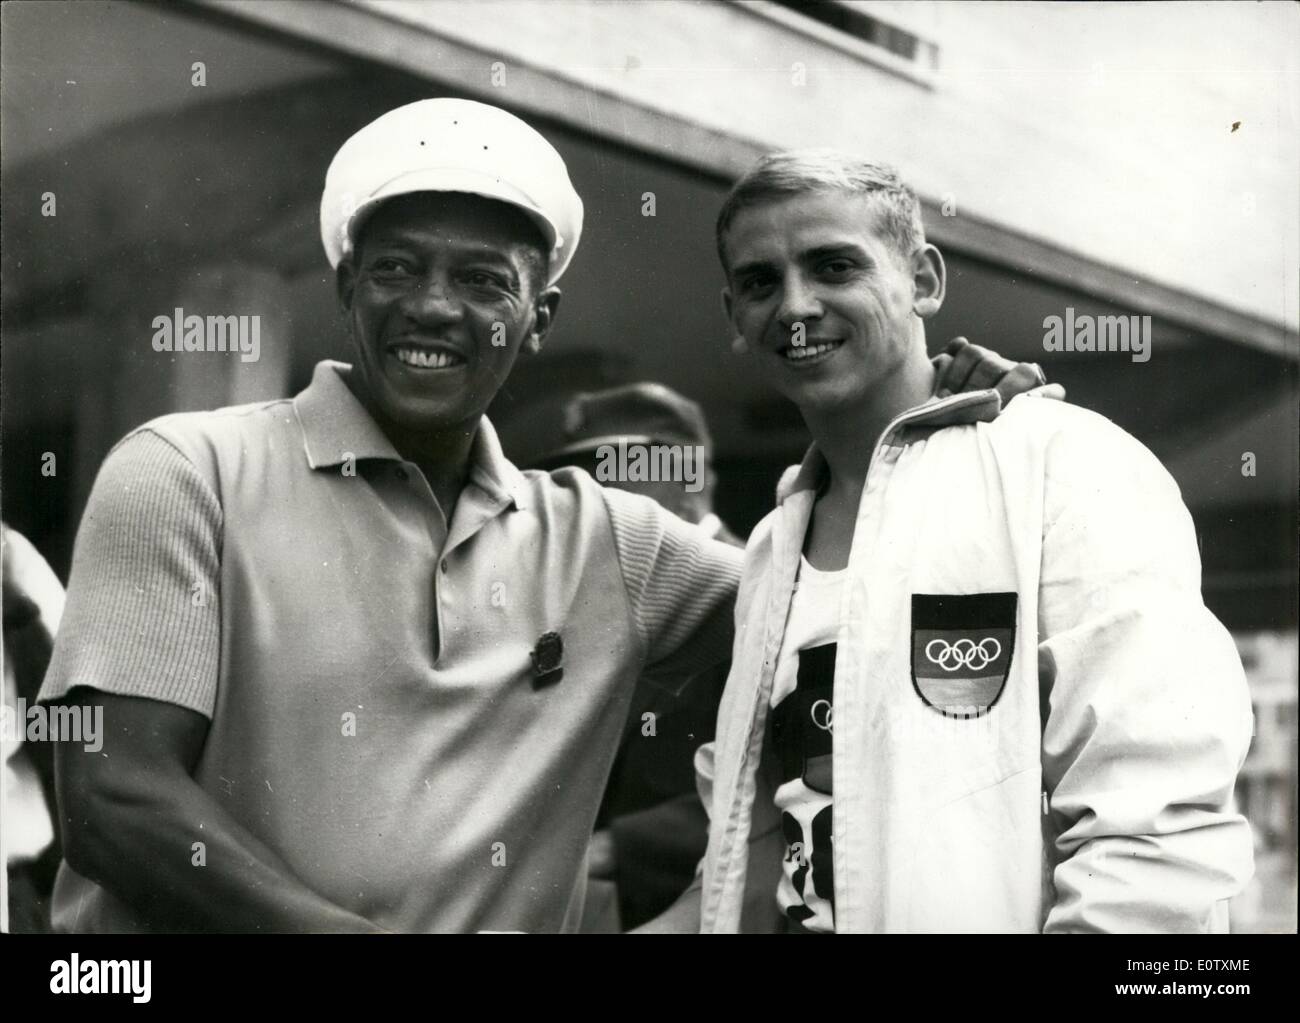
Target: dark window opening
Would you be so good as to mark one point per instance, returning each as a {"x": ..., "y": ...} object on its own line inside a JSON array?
[{"x": 858, "y": 24}]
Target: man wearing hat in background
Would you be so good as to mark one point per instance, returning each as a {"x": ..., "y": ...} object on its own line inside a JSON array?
[
  {"x": 652, "y": 827},
  {"x": 357, "y": 671},
  {"x": 585, "y": 428}
]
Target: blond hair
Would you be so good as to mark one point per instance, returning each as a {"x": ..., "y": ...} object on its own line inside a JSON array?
[{"x": 782, "y": 175}]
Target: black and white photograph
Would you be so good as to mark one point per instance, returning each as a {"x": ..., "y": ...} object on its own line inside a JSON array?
[{"x": 650, "y": 467}]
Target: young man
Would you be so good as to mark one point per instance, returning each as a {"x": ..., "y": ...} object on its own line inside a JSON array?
[
  {"x": 357, "y": 671},
  {"x": 974, "y": 685}
]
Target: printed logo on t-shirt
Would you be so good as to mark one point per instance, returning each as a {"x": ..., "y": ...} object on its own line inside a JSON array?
[
  {"x": 803, "y": 726},
  {"x": 803, "y": 723},
  {"x": 815, "y": 858}
]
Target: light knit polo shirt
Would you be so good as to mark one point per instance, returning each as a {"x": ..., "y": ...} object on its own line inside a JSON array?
[{"x": 366, "y": 667}]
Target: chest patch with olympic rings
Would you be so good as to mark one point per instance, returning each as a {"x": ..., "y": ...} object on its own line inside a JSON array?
[{"x": 961, "y": 650}]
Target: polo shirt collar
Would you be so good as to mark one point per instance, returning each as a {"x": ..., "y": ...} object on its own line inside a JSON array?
[
  {"x": 492, "y": 471},
  {"x": 335, "y": 425}
]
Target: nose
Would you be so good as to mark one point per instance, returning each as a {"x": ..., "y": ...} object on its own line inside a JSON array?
[
  {"x": 799, "y": 301},
  {"x": 433, "y": 302}
]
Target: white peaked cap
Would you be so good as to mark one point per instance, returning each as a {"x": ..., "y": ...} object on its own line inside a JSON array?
[{"x": 451, "y": 145}]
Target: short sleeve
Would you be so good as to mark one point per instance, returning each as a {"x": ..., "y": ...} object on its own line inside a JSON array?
[
  {"x": 681, "y": 585},
  {"x": 143, "y": 615}
]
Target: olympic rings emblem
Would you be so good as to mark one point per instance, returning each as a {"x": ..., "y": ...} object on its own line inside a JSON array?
[
  {"x": 965, "y": 653},
  {"x": 825, "y": 720}
]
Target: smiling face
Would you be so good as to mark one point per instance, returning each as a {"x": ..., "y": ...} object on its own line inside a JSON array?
[
  {"x": 441, "y": 293},
  {"x": 818, "y": 259}
]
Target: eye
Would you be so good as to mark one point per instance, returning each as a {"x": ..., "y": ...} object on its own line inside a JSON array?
[
  {"x": 389, "y": 267},
  {"x": 756, "y": 284},
  {"x": 836, "y": 267},
  {"x": 484, "y": 279}
]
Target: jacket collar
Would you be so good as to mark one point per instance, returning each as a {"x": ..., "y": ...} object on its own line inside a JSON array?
[
  {"x": 933, "y": 414},
  {"x": 335, "y": 425}
]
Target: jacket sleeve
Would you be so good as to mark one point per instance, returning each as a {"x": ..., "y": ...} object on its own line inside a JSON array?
[
  {"x": 760, "y": 913},
  {"x": 1147, "y": 712}
]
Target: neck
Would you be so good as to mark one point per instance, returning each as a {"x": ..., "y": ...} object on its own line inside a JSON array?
[
  {"x": 846, "y": 435},
  {"x": 442, "y": 455}
]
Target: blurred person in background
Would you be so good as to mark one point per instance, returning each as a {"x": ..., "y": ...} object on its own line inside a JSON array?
[{"x": 33, "y": 605}]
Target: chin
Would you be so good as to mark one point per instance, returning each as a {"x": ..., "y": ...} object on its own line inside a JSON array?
[
  {"x": 823, "y": 397},
  {"x": 421, "y": 416}
]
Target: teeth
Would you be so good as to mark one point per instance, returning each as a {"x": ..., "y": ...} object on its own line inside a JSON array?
[
  {"x": 797, "y": 352},
  {"x": 425, "y": 359}
]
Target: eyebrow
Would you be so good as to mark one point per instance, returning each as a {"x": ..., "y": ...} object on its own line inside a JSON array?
[
  {"x": 463, "y": 252},
  {"x": 753, "y": 267},
  {"x": 836, "y": 249},
  {"x": 818, "y": 252}
]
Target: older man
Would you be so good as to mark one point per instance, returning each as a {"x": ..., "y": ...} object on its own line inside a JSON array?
[{"x": 358, "y": 671}]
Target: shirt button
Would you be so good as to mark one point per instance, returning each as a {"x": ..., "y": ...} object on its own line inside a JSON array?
[
  {"x": 444, "y": 566},
  {"x": 402, "y": 474}
]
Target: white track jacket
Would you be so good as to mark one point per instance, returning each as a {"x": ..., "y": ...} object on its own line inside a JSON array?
[{"x": 1037, "y": 722}]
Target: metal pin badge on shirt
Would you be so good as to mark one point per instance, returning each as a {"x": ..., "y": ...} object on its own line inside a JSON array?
[{"x": 547, "y": 660}]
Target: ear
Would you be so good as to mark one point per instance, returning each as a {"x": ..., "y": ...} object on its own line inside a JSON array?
[
  {"x": 929, "y": 281},
  {"x": 345, "y": 282},
  {"x": 545, "y": 308}
]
